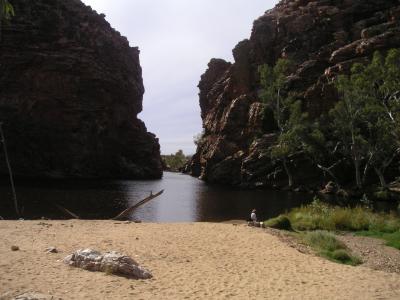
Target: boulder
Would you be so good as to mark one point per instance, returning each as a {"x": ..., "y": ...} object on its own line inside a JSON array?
[
  {"x": 34, "y": 296},
  {"x": 109, "y": 262}
]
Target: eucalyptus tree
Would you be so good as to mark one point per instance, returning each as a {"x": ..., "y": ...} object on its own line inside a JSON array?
[
  {"x": 347, "y": 119},
  {"x": 287, "y": 112},
  {"x": 366, "y": 119},
  {"x": 380, "y": 83}
]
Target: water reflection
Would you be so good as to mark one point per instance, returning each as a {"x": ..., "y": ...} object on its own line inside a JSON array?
[{"x": 185, "y": 199}]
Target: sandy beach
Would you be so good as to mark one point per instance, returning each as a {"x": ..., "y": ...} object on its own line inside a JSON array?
[{"x": 188, "y": 261}]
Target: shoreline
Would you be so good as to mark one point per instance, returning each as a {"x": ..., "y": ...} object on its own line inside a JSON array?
[{"x": 188, "y": 261}]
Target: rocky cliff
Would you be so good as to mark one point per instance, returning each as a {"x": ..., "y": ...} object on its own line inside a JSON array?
[
  {"x": 70, "y": 92},
  {"x": 324, "y": 38}
]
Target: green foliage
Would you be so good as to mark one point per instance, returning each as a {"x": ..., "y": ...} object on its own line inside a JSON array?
[
  {"x": 281, "y": 222},
  {"x": 293, "y": 127},
  {"x": 287, "y": 112},
  {"x": 392, "y": 239},
  {"x": 6, "y": 13},
  {"x": 344, "y": 257},
  {"x": 383, "y": 195},
  {"x": 366, "y": 119},
  {"x": 362, "y": 129},
  {"x": 323, "y": 240},
  {"x": 319, "y": 215},
  {"x": 6, "y": 10},
  {"x": 327, "y": 245},
  {"x": 175, "y": 162}
]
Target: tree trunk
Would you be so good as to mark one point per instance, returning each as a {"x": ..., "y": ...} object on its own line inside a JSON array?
[
  {"x": 358, "y": 174},
  {"x": 3, "y": 140},
  {"x": 354, "y": 150},
  {"x": 289, "y": 175},
  {"x": 381, "y": 177}
]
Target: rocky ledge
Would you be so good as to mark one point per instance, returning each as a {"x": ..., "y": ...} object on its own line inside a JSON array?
[
  {"x": 70, "y": 91},
  {"x": 324, "y": 38}
]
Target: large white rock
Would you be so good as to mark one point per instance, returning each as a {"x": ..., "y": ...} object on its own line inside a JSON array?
[
  {"x": 34, "y": 296},
  {"x": 109, "y": 262}
]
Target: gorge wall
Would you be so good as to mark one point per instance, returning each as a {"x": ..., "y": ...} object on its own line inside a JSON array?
[
  {"x": 324, "y": 38},
  {"x": 70, "y": 91}
]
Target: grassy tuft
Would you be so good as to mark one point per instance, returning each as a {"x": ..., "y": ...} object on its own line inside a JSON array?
[
  {"x": 281, "y": 222},
  {"x": 322, "y": 216},
  {"x": 323, "y": 240},
  {"x": 328, "y": 246}
]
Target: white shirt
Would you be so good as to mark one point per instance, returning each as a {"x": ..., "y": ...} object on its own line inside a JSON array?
[{"x": 253, "y": 217}]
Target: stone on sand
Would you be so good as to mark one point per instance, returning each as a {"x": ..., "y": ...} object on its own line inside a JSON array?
[{"x": 109, "y": 262}]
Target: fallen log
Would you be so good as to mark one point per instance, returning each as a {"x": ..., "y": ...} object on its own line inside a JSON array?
[{"x": 125, "y": 214}]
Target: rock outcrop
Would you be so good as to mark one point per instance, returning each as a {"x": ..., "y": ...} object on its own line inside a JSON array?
[
  {"x": 324, "y": 38},
  {"x": 70, "y": 91}
]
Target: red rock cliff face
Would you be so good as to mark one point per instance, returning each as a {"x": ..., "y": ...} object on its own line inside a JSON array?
[
  {"x": 70, "y": 91},
  {"x": 324, "y": 38}
]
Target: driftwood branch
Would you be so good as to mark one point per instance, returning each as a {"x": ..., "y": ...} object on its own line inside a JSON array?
[
  {"x": 328, "y": 170},
  {"x": 129, "y": 210},
  {"x": 67, "y": 212}
]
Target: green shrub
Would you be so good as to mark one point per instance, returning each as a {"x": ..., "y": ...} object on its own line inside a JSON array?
[
  {"x": 383, "y": 195},
  {"x": 322, "y": 216},
  {"x": 323, "y": 240},
  {"x": 341, "y": 255},
  {"x": 281, "y": 222},
  {"x": 328, "y": 246}
]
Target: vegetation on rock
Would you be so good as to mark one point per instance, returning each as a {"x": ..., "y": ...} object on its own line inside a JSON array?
[
  {"x": 175, "y": 162},
  {"x": 361, "y": 130},
  {"x": 243, "y": 145}
]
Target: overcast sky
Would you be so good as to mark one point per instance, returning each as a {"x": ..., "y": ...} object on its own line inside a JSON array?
[{"x": 177, "y": 38}]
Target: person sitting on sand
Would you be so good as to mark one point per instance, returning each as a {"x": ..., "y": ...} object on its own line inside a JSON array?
[{"x": 253, "y": 216}]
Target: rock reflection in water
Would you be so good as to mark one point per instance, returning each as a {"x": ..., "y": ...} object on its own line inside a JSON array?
[{"x": 186, "y": 199}]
